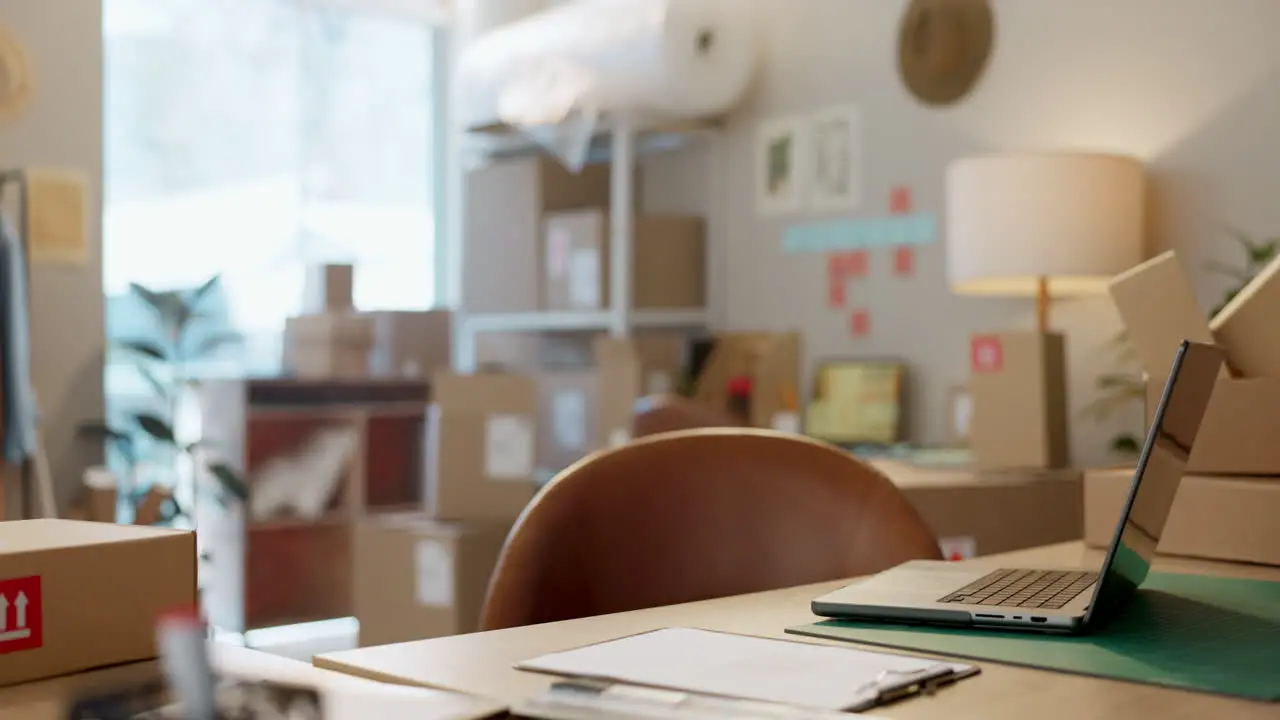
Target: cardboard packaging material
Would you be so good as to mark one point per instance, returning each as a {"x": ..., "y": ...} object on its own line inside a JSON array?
[
  {"x": 502, "y": 226},
  {"x": 1240, "y": 433},
  {"x": 418, "y": 578},
  {"x": 80, "y": 595},
  {"x": 772, "y": 363},
  {"x": 1246, "y": 326},
  {"x": 982, "y": 513},
  {"x": 1213, "y": 517},
  {"x": 481, "y": 446},
  {"x": 328, "y": 289},
  {"x": 411, "y": 344},
  {"x": 568, "y": 403},
  {"x": 1017, "y": 381},
  {"x": 1159, "y": 311},
  {"x": 325, "y": 346},
  {"x": 668, "y": 264}
]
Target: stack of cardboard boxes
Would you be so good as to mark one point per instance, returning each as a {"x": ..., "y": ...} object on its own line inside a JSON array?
[
  {"x": 1227, "y": 505},
  {"x": 331, "y": 340},
  {"x": 425, "y": 573}
]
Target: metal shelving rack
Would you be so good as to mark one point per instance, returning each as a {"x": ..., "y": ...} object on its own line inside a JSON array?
[{"x": 621, "y": 142}]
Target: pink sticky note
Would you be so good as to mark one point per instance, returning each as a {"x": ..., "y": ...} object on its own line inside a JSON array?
[
  {"x": 859, "y": 323},
  {"x": 900, "y": 200},
  {"x": 904, "y": 260}
]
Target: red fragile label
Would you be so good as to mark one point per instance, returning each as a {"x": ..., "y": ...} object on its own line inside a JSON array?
[
  {"x": 21, "y": 616},
  {"x": 986, "y": 353}
]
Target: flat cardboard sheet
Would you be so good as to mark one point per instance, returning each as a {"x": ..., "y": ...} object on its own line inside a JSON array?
[{"x": 1207, "y": 634}]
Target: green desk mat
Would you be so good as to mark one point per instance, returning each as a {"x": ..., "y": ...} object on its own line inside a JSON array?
[{"x": 1208, "y": 634}]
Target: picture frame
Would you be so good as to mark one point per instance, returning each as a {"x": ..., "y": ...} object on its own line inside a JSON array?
[
  {"x": 858, "y": 402},
  {"x": 779, "y": 153},
  {"x": 959, "y": 415},
  {"x": 835, "y": 159}
]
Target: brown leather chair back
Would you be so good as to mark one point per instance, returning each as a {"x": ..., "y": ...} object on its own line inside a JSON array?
[{"x": 699, "y": 514}]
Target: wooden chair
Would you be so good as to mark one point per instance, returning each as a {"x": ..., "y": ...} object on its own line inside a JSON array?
[{"x": 698, "y": 514}]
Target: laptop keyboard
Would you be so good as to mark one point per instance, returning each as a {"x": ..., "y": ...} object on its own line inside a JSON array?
[{"x": 1051, "y": 589}]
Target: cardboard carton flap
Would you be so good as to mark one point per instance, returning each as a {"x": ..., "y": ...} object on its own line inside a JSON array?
[
  {"x": 1159, "y": 310},
  {"x": 20, "y": 536},
  {"x": 1245, "y": 328}
]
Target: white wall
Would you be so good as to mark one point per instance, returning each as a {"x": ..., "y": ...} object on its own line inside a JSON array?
[
  {"x": 63, "y": 127},
  {"x": 1191, "y": 86}
]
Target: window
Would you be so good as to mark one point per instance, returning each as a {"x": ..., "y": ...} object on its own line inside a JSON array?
[{"x": 251, "y": 138}]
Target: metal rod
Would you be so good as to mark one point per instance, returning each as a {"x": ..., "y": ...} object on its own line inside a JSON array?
[{"x": 621, "y": 226}]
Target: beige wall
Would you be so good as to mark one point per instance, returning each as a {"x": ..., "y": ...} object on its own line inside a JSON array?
[
  {"x": 1191, "y": 86},
  {"x": 63, "y": 127}
]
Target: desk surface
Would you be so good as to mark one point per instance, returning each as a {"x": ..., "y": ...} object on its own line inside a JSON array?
[
  {"x": 481, "y": 663},
  {"x": 350, "y": 697}
]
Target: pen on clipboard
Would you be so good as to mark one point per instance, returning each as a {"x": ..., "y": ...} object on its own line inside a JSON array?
[
  {"x": 184, "y": 658},
  {"x": 925, "y": 682}
]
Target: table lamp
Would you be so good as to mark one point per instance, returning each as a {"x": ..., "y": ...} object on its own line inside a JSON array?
[{"x": 1041, "y": 225}]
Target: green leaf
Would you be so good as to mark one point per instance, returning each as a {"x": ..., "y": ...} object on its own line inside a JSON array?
[
  {"x": 1126, "y": 444},
  {"x": 230, "y": 481},
  {"x": 161, "y": 389},
  {"x": 155, "y": 427},
  {"x": 118, "y": 439},
  {"x": 199, "y": 294},
  {"x": 146, "y": 348},
  {"x": 213, "y": 343}
]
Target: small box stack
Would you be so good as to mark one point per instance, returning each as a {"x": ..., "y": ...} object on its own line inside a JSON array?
[
  {"x": 425, "y": 573},
  {"x": 1228, "y": 501},
  {"x": 329, "y": 340}
]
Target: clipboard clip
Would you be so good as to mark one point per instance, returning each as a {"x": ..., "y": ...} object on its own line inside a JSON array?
[{"x": 893, "y": 685}]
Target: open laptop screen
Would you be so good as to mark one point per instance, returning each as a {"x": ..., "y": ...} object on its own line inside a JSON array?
[{"x": 1159, "y": 472}]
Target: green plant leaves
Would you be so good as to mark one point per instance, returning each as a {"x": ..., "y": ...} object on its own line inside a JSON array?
[
  {"x": 145, "y": 348},
  {"x": 230, "y": 481},
  {"x": 120, "y": 441},
  {"x": 214, "y": 343},
  {"x": 155, "y": 427}
]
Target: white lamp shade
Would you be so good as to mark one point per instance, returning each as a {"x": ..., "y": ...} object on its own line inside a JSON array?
[{"x": 1075, "y": 219}]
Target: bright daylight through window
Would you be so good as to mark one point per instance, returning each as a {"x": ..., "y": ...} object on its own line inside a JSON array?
[{"x": 249, "y": 138}]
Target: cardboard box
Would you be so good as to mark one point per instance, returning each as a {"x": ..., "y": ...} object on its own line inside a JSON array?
[
  {"x": 502, "y": 226},
  {"x": 80, "y": 595},
  {"x": 1217, "y": 518},
  {"x": 770, "y": 360},
  {"x": 417, "y": 578},
  {"x": 568, "y": 405},
  {"x": 668, "y": 263},
  {"x": 1018, "y": 386},
  {"x": 411, "y": 344},
  {"x": 1240, "y": 433},
  {"x": 1246, "y": 326},
  {"x": 328, "y": 289},
  {"x": 481, "y": 446},
  {"x": 1159, "y": 309},
  {"x": 333, "y": 345},
  {"x": 982, "y": 513}
]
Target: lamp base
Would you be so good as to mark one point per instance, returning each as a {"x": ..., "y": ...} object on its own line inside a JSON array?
[{"x": 1018, "y": 386}]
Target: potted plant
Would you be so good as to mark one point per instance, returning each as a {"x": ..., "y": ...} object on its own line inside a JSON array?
[{"x": 180, "y": 337}]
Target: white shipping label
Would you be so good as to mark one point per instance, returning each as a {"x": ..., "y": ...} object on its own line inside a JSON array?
[
  {"x": 558, "y": 240},
  {"x": 433, "y": 570},
  {"x": 508, "y": 447},
  {"x": 787, "y": 422},
  {"x": 960, "y": 547},
  {"x": 618, "y": 437},
  {"x": 569, "y": 419},
  {"x": 584, "y": 279}
]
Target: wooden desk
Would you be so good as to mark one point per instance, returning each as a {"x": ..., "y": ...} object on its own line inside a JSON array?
[
  {"x": 481, "y": 663},
  {"x": 347, "y": 697}
]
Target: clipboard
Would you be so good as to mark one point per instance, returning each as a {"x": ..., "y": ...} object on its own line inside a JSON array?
[{"x": 703, "y": 671}]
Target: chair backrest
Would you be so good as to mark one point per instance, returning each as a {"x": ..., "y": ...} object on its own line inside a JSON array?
[{"x": 697, "y": 514}]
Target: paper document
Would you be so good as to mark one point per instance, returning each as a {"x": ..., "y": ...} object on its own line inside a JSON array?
[{"x": 701, "y": 661}]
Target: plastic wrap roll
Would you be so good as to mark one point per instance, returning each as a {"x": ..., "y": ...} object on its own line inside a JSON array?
[{"x": 585, "y": 58}]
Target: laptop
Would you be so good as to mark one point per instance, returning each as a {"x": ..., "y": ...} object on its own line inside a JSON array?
[{"x": 1046, "y": 600}]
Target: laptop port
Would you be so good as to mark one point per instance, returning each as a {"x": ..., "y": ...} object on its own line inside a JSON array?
[{"x": 1037, "y": 618}]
